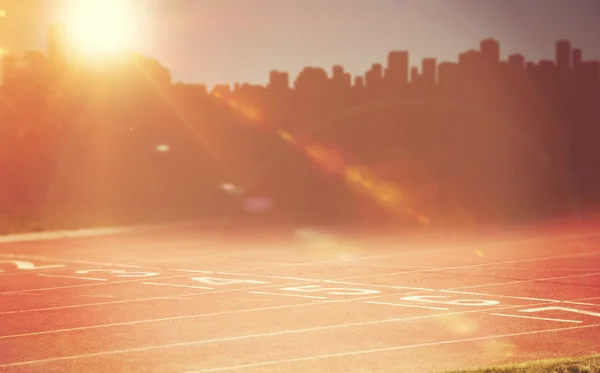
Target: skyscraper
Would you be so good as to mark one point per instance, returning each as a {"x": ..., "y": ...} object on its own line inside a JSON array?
[
  {"x": 517, "y": 60},
  {"x": 428, "y": 69},
  {"x": 397, "y": 69},
  {"x": 490, "y": 49},
  {"x": 563, "y": 54},
  {"x": 279, "y": 81},
  {"x": 374, "y": 76}
]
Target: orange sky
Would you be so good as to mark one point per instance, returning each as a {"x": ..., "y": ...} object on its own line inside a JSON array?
[{"x": 215, "y": 41}]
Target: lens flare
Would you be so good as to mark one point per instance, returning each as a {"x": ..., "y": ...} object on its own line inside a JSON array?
[
  {"x": 258, "y": 204},
  {"x": 328, "y": 159}
]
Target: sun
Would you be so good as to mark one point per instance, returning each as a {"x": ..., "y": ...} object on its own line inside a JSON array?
[{"x": 101, "y": 28}]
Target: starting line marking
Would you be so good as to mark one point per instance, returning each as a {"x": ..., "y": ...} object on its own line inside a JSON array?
[
  {"x": 75, "y": 277},
  {"x": 408, "y": 305},
  {"x": 535, "y": 318},
  {"x": 177, "y": 286},
  {"x": 288, "y": 295}
]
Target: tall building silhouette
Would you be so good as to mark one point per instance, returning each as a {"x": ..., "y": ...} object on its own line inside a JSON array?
[
  {"x": 428, "y": 69},
  {"x": 374, "y": 76},
  {"x": 278, "y": 81},
  {"x": 340, "y": 79},
  {"x": 397, "y": 68},
  {"x": 490, "y": 49},
  {"x": 517, "y": 60},
  {"x": 414, "y": 74},
  {"x": 563, "y": 55},
  {"x": 359, "y": 82}
]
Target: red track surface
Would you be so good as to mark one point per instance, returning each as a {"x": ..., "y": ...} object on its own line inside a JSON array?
[{"x": 173, "y": 300}]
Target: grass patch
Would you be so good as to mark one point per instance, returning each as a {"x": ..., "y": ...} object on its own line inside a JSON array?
[{"x": 589, "y": 364}]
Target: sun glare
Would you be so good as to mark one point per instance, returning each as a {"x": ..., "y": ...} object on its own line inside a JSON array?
[{"x": 101, "y": 28}]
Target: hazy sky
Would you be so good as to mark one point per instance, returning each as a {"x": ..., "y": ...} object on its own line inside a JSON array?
[{"x": 214, "y": 41}]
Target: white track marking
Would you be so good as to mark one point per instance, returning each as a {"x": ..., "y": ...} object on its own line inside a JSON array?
[
  {"x": 177, "y": 286},
  {"x": 288, "y": 295},
  {"x": 327, "y": 281},
  {"x": 306, "y": 280},
  {"x": 100, "y": 296},
  {"x": 88, "y": 285},
  {"x": 452, "y": 290},
  {"x": 286, "y": 332},
  {"x": 470, "y": 266},
  {"x": 72, "y": 277},
  {"x": 533, "y": 280},
  {"x": 407, "y": 305},
  {"x": 535, "y": 318},
  {"x": 388, "y": 349},
  {"x": 261, "y": 309}
]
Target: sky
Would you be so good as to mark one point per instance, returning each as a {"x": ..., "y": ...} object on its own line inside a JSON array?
[{"x": 227, "y": 41}]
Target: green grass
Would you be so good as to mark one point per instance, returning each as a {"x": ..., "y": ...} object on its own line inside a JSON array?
[{"x": 589, "y": 364}]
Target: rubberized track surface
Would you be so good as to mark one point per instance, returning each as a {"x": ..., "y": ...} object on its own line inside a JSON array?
[{"x": 176, "y": 300}]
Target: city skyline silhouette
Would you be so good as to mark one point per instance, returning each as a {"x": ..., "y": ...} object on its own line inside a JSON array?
[
  {"x": 204, "y": 41},
  {"x": 371, "y": 147}
]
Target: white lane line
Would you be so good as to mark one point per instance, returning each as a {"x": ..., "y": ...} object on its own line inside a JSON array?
[
  {"x": 533, "y": 280},
  {"x": 305, "y": 280},
  {"x": 35, "y": 271},
  {"x": 87, "y": 285},
  {"x": 266, "y": 287},
  {"x": 420, "y": 252},
  {"x": 285, "y": 332},
  {"x": 535, "y": 318},
  {"x": 288, "y": 295},
  {"x": 580, "y": 303},
  {"x": 262, "y": 309},
  {"x": 278, "y": 277},
  {"x": 471, "y": 266},
  {"x": 387, "y": 349},
  {"x": 100, "y": 296},
  {"x": 70, "y": 277},
  {"x": 407, "y": 305},
  {"x": 177, "y": 286}
]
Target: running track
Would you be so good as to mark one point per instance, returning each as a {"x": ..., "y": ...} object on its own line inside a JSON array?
[{"x": 180, "y": 299}]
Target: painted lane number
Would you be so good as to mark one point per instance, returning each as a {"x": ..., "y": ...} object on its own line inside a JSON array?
[
  {"x": 118, "y": 272},
  {"x": 332, "y": 291},
  {"x": 441, "y": 299},
  {"x": 218, "y": 281}
]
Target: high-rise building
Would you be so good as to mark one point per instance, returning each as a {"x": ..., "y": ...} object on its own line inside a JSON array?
[
  {"x": 347, "y": 80},
  {"x": 414, "y": 74},
  {"x": 563, "y": 54},
  {"x": 448, "y": 73},
  {"x": 490, "y": 49},
  {"x": 470, "y": 59},
  {"x": 359, "y": 82},
  {"x": 517, "y": 60},
  {"x": 374, "y": 76},
  {"x": 337, "y": 72},
  {"x": 278, "y": 80},
  {"x": 57, "y": 45},
  {"x": 339, "y": 77},
  {"x": 428, "y": 69},
  {"x": 397, "y": 69}
]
